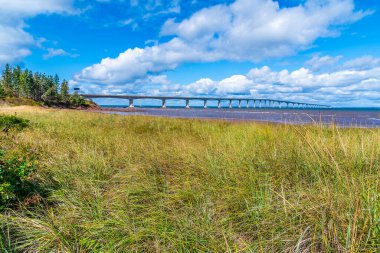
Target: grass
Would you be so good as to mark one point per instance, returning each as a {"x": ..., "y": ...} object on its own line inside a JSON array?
[{"x": 142, "y": 184}]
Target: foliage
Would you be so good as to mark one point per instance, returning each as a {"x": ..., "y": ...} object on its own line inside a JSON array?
[
  {"x": 15, "y": 167},
  {"x": 144, "y": 184},
  {"x": 14, "y": 171},
  {"x": 18, "y": 83},
  {"x": 8, "y": 122},
  {"x": 76, "y": 100}
]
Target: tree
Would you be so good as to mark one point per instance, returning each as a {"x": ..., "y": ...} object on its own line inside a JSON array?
[
  {"x": 64, "y": 92},
  {"x": 77, "y": 100},
  {"x": 24, "y": 85},
  {"x": 6, "y": 80},
  {"x": 16, "y": 81},
  {"x": 50, "y": 96}
]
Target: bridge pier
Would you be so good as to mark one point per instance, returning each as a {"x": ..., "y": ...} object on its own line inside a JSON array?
[{"x": 262, "y": 103}]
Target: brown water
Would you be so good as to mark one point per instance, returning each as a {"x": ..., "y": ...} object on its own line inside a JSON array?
[{"x": 367, "y": 118}]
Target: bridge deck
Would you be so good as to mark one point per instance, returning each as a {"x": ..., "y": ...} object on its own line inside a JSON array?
[{"x": 133, "y": 97}]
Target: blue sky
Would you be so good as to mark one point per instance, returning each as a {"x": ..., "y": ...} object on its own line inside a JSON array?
[{"x": 324, "y": 51}]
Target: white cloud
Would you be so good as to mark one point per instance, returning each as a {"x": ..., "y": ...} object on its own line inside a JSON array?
[
  {"x": 138, "y": 63},
  {"x": 246, "y": 30},
  {"x": 15, "y": 42},
  {"x": 365, "y": 62},
  {"x": 340, "y": 87},
  {"x": 138, "y": 86},
  {"x": 318, "y": 63},
  {"x": 53, "y": 52},
  {"x": 28, "y": 8}
]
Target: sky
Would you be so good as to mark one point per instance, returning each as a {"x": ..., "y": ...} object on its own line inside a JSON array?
[{"x": 316, "y": 51}]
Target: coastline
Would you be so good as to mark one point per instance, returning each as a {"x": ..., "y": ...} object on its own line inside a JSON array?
[{"x": 339, "y": 117}]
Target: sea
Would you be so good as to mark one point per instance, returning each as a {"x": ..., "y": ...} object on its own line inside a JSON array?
[{"x": 342, "y": 117}]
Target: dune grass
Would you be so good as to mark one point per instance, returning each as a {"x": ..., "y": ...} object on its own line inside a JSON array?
[{"x": 143, "y": 184}]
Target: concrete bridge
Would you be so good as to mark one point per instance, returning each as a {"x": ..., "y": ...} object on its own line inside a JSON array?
[{"x": 254, "y": 102}]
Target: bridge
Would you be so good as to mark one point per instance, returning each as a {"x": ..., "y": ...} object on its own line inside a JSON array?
[{"x": 255, "y": 102}]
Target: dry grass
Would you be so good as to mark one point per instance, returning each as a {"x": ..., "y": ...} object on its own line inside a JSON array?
[{"x": 141, "y": 184}]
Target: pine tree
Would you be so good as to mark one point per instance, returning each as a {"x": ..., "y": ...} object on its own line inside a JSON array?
[
  {"x": 38, "y": 90},
  {"x": 50, "y": 96},
  {"x": 64, "y": 92},
  {"x": 16, "y": 81},
  {"x": 7, "y": 80},
  {"x": 23, "y": 84},
  {"x": 31, "y": 85}
]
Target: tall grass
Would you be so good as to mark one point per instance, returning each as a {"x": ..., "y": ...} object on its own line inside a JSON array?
[{"x": 142, "y": 184}]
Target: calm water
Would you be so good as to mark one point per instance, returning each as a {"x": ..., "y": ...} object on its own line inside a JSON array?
[{"x": 345, "y": 117}]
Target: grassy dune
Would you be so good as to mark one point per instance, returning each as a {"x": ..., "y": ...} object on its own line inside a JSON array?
[{"x": 142, "y": 184}]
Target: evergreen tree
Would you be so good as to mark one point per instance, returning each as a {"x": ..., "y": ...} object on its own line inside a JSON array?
[
  {"x": 31, "y": 85},
  {"x": 50, "y": 95},
  {"x": 64, "y": 92},
  {"x": 23, "y": 84},
  {"x": 6, "y": 81},
  {"x": 16, "y": 81},
  {"x": 56, "y": 81}
]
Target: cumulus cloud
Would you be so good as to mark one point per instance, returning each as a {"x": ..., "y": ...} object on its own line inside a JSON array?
[
  {"x": 340, "y": 87},
  {"x": 138, "y": 63},
  {"x": 138, "y": 86},
  {"x": 15, "y": 42},
  {"x": 246, "y": 30}
]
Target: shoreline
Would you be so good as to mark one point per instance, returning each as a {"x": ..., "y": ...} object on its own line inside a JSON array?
[{"x": 357, "y": 119}]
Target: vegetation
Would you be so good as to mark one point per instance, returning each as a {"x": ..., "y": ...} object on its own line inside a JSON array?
[
  {"x": 17, "y": 86},
  {"x": 8, "y": 122},
  {"x": 14, "y": 167},
  {"x": 142, "y": 184}
]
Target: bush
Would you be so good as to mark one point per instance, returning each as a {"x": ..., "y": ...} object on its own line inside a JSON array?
[
  {"x": 14, "y": 172},
  {"x": 12, "y": 122},
  {"x": 77, "y": 100}
]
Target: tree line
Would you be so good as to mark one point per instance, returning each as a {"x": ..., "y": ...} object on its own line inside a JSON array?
[{"x": 40, "y": 87}]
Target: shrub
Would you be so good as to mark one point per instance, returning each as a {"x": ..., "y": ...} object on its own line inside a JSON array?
[
  {"x": 77, "y": 100},
  {"x": 14, "y": 172},
  {"x": 8, "y": 122}
]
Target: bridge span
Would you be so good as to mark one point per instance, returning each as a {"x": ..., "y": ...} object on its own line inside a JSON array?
[{"x": 254, "y": 102}]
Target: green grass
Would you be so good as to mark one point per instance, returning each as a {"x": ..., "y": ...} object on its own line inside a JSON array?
[{"x": 142, "y": 184}]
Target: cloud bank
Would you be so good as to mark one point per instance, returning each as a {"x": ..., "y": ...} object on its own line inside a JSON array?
[
  {"x": 350, "y": 84},
  {"x": 246, "y": 30}
]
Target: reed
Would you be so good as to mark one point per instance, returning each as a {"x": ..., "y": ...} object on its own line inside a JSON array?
[{"x": 144, "y": 184}]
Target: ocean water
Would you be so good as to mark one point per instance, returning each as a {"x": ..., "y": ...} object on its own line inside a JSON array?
[{"x": 344, "y": 117}]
